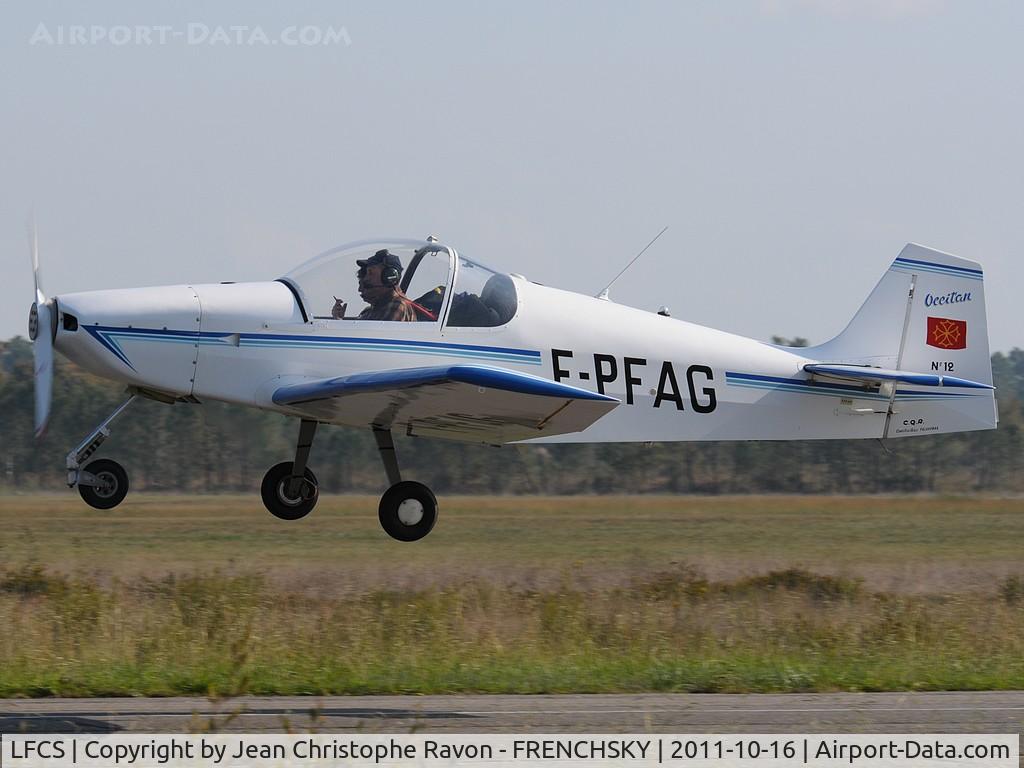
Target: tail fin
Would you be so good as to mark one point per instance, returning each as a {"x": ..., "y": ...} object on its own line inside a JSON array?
[{"x": 926, "y": 315}]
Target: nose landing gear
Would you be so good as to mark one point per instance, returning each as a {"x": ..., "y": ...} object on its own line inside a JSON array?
[{"x": 103, "y": 483}]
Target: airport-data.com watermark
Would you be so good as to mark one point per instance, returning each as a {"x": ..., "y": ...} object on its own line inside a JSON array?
[{"x": 193, "y": 33}]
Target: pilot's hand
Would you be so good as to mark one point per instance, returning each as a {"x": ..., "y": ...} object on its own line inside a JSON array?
[{"x": 339, "y": 309}]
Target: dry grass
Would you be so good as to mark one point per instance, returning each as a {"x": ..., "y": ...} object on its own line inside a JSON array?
[
  {"x": 898, "y": 544},
  {"x": 211, "y": 595},
  {"x": 216, "y": 634}
]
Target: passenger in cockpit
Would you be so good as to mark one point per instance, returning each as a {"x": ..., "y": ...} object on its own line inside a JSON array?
[{"x": 379, "y": 278}]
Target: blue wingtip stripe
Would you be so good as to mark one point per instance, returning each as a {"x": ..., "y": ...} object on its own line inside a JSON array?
[{"x": 386, "y": 381}]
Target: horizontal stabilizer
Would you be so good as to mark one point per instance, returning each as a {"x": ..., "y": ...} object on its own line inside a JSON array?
[
  {"x": 471, "y": 403},
  {"x": 869, "y": 375}
]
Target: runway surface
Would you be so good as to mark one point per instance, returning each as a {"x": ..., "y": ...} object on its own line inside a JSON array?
[{"x": 993, "y": 712}]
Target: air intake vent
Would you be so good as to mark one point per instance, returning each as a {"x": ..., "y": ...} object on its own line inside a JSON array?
[{"x": 70, "y": 322}]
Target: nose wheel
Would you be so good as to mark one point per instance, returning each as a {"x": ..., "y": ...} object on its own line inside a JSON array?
[
  {"x": 107, "y": 484},
  {"x": 408, "y": 511}
]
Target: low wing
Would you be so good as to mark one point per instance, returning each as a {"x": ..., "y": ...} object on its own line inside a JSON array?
[
  {"x": 863, "y": 374},
  {"x": 471, "y": 403}
]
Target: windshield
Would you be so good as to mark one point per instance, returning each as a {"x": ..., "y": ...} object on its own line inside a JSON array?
[
  {"x": 392, "y": 280},
  {"x": 482, "y": 298}
]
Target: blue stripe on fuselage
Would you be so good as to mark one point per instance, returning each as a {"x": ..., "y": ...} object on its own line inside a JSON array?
[{"x": 109, "y": 336}]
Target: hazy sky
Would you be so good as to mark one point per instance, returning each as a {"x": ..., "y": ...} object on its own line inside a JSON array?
[{"x": 791, "y": 147}]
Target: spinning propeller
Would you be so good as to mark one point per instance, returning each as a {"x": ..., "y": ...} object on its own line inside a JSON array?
[{"x": 41, "y": 329}]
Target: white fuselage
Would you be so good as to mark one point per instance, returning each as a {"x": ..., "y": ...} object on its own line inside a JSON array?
[{"x": 676, "y": 381}]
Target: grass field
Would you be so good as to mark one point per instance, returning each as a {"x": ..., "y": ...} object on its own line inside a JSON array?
[{"x": 211, "y": 595}]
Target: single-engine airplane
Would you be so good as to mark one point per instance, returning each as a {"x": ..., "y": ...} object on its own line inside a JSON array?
[{"x": 449, "y": 348}]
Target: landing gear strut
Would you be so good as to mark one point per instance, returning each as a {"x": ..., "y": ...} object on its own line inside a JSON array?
[
  {"x": 290, "y": 489},
  {"x": 408, "y": 510},
  {"x": 103, "y": 483}
]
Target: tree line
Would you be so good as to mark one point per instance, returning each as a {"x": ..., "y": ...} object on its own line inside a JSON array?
[{"x": 217, "y": 448}]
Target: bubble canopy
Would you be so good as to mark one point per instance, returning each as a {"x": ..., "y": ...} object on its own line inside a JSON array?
[{"x": 402, "y": 280}]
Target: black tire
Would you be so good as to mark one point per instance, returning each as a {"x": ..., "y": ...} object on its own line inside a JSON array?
[
  {"x": 423, "y": 510},
  {"x": 275, "y": 495},
  {"x": 113, "y": 488}
]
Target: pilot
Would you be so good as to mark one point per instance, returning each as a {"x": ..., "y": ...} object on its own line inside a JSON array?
[{"x": 379, "y": 278}]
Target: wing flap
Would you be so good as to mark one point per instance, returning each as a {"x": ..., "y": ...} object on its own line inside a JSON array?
[
  {"x": 471, "y": 403},
  {"x": 867, "y": 375}
]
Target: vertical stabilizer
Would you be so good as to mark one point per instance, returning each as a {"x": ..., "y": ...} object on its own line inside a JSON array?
[{"x": 926, "y": 315}]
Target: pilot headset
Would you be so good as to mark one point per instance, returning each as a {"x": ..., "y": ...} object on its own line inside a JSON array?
[{"x": 390, "y": 276}]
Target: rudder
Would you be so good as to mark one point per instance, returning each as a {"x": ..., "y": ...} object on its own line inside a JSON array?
[{"x": 947, "y": 330}]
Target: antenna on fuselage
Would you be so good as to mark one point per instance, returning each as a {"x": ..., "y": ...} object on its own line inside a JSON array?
[{"x": 604, "y": 293}]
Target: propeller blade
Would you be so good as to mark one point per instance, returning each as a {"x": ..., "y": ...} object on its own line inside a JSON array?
[
  {"x": 33, "y": 244},
  {"x": 40, "y": 330},
  {"x": 42, "y": 353}
]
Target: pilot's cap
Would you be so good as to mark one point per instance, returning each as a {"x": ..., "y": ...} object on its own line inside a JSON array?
[{"x": 383, "y": 257}]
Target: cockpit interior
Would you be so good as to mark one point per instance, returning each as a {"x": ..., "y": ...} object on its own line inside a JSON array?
[{"x": 439, "y": 284}]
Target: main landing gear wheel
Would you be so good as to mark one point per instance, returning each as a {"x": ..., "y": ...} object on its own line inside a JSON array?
[
  {"x": 276, "y": 496},
  {"x": 408, "y": 511},
  {"x": 111, "y": 484}
]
